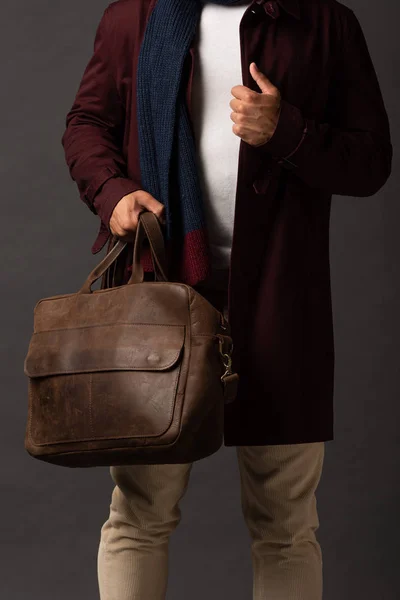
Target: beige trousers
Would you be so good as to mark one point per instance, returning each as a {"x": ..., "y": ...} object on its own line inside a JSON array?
[{"x": 278, "y": 485}]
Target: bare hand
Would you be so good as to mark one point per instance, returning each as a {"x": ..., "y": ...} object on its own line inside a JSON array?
[
  {"x": 255, "y": 114},
  {"x": 124, "y": 218}
]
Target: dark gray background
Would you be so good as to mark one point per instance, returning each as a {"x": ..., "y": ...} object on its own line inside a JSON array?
[{"x": 51, "y": 516}]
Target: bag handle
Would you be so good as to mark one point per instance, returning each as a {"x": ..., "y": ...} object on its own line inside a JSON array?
[{"x": 148, "y": 226}]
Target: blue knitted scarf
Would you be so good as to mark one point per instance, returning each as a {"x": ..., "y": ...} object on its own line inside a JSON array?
[{"x": 168, "y": 162}]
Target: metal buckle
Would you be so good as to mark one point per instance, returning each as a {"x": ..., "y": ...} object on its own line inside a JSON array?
[{"x": 226, "y": 357}]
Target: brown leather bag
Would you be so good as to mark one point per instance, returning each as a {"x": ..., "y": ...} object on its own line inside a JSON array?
[{"x": 131, "y": 374}]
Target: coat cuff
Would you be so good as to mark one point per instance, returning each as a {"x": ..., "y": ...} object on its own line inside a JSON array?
[
  {"x": 288, "y": 135},
  {"x": 105, "y": 201}
]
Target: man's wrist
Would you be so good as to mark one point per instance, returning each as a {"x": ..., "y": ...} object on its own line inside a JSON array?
[
  {"x": 112, "y": 191},
  {"x": 288, "y": 134}
]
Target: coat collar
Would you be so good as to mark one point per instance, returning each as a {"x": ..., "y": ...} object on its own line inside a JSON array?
[{"x": 290, "y": 6}]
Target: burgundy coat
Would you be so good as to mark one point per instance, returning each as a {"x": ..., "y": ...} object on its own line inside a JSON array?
[{"x": 332, "y": 138}]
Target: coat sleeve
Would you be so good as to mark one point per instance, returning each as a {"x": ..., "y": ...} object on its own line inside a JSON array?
[
  {"x": 350, "y": 155},
  {"x": 92, "y": 140}
]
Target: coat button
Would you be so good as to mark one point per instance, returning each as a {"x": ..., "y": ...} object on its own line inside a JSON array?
[
  {"x": 261, "y": 184},
  {"x": 271, "y": 9}
]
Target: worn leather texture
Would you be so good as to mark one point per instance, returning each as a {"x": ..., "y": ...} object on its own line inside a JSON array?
[{"x": 129, "y": 374}]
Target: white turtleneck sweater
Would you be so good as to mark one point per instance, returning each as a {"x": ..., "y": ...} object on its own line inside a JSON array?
[{"x": 217, "y": 70}]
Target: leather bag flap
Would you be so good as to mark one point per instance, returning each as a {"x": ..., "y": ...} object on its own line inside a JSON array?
[{"x": 114, "y": 347}]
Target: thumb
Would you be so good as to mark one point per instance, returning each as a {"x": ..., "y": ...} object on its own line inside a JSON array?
[
  {"x": 150, "y": 203},
  {"x": 261, "y": 80}
]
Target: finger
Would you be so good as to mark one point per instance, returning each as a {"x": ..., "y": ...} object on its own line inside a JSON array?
[
  {"x": 265, "y": 85},
  {"x": 156, "y": 207},
  {"x": 121, "y": 233},
  {"x": 241, "y": 92},
  {"x": 127, "y": 223},
  {"x": 245, "y": 130},
  {"x": 151, "y": 203},
  {"x": 239, "y": 119},
  {"x": 248, "y": 110},
  {"x": 238, "y": 114}
]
